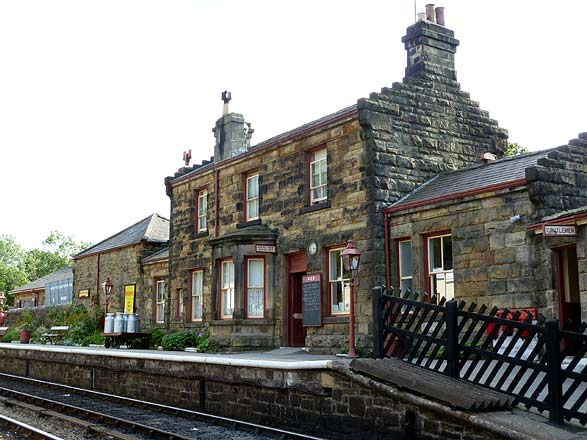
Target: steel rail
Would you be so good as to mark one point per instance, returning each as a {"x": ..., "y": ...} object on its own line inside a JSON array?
[
  {"x": 94, "y": 415},
  {"x": 28, "y": 431},
  {"x": 172, "y": 410}
]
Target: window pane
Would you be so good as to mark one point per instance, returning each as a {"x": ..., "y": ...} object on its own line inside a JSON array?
[
  {"x": 335, "y": 268},
  {"x": 405, "y": 257},
  {"x": 447, "y": 252},
  {"x": 435, "y": 254},
  {"x": 255, "y": 275},
  {"x": 252, "y": 187}
]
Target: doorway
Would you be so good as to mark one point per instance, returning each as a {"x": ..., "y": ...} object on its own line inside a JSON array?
[
  {"x": 568, "y": 288},
  {"x": 295, "y": 331}
]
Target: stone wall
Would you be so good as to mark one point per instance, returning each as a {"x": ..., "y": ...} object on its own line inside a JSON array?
[
  {"x": 146, "y": 292},
  {"x": 122, "y": 266},
  {"x": 493, "y": 258},
  {"x": 328, "y": 403},
  {"x": 284, "y": 212},
  {"x": 559, "y": 181}
]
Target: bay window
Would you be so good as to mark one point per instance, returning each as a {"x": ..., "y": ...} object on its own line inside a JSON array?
[{"x": 255, "y": 294}]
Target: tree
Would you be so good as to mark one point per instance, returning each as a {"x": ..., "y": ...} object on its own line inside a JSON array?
[
  {"x": 12, "y": 273},
  {"x": 19, "y": 266},
  {"x": 514, "y": 149}
]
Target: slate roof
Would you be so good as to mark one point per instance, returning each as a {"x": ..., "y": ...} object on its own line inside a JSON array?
[
  {"x": 470, "y": 179},
  {"x": 162, "y": 254},
  {"x": 187, "y": 172},
  {"x": 153, "y": 229},
  {"x": 58, "y": 275}
]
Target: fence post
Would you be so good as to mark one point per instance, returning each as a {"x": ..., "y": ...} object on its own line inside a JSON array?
[
  {"x": 452, "y": 339},
  {"x": 553, "y": 373},
  {"x": 376, "y": 294}
]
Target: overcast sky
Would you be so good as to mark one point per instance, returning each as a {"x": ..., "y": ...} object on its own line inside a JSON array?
[{"x": 98, "y": 99}]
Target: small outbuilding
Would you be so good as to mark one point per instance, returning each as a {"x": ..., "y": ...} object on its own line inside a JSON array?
[
  {"x": 508, "y": 233},
  {"x": 52, "y": 289}
]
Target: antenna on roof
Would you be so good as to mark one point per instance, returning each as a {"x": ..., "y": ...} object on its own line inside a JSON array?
[{"x": 415, "y": 11}]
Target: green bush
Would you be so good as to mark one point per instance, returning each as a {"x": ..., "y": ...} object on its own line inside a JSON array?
[
  {"x": 157, "y": 336},
  {"x": 12, "y": 334},
  {"x": 94, "y": 339},
  {"x": 180, "y": 341}
]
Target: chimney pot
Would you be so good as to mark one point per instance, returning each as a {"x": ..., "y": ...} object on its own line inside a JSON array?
[
  {"x": 421, "y": 16},
  {"x": 440, "y": 15},
  {"x": 430, "y": 13},
  {"x": 487, "y": 158}
]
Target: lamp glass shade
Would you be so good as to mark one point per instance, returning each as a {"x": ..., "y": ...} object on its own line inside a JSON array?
[{"x": 351, "y": 257}]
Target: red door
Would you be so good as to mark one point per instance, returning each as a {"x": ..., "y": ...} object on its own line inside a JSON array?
[
  {"x": 568, "y": 288},
  {"x": 295, "y": 331}
]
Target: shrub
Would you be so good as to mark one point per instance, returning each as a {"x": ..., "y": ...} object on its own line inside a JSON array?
[
  {"x": 12, "y": 334},
  {"x": 94, "y": 339},
  {"x": 157, "y": 336},
  {"x": 179, "y": 341}
]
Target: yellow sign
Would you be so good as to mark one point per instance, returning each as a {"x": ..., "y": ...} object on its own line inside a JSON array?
[{"x": 129, "y": 298}]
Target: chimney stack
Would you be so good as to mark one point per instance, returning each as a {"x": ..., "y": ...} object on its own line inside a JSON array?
[
  {"x": 232, "y": 134},
  {"x": 430, "y": 46}
]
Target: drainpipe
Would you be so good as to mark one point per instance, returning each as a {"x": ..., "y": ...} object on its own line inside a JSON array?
[
  {"x": 216, "y": 199},
  {"x": 98, "y": 279},
  {"x": 386, "y": 242}
]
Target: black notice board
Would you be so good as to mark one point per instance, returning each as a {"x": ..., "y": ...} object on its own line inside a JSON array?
[{"x": 312, "y": 300}]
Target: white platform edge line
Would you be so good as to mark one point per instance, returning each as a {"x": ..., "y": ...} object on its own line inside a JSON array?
[{"x": 196, "y": 359}]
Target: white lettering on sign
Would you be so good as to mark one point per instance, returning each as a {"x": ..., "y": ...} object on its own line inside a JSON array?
[
  {"x": 265, "y": 248},
  {"x": 314, "y": 278},
  {"x": 560, "y": 230}
]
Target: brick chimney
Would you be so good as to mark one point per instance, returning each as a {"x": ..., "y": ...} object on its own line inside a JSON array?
[
  {"x": 231, "y": 133},
  {"x": 430, "y": 45}
]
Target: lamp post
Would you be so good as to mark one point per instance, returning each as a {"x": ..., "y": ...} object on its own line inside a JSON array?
[
  {"x": 351, "y": 258},
  {"x": 107, "y": 287}
]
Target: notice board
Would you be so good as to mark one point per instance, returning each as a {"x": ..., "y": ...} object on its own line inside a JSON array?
[{"x": 312, "y": 300}]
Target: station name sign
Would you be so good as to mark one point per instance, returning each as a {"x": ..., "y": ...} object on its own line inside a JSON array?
[
  {"x": 265, "y": 248},
  {"x": 560, "y": 230}
]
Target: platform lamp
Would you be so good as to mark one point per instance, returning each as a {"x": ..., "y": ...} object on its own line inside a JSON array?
[
  {"x": 351, "y": 259},
  {"x": 107, "y": 287}
]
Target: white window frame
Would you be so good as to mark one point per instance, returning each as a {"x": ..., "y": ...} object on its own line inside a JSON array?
[
  {"x": 445, "y": 274},
  {"x": 226, "y": 289},
  {"x": 344, "y": 282},
  {"x": 252, "y": 200},
  {"x": 250, "y": 287},
  {"x": 405, "y": 277},
  {"x": 202, "y": 211},
  {"x": 160, "y": 301},
  {"x": 318, "y": 167},
  {"x": 196, "y": 294}
]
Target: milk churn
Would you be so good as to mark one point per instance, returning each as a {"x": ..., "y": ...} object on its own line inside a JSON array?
[
  {"x": 125, "y": 320},
  {"x": 119, "y": 323},
  {"x": 131, "y": 326},
  {"x": 109, "y": 323}
]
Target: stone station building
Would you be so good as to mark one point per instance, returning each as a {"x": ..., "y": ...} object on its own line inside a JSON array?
[
  {"x": 119, "y": 258},
  {"x": 247, "y": 225},
  {"x": 509, "y": 233}
]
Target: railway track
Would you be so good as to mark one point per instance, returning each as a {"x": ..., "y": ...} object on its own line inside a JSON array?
[
  {"x": 125, "y": 418},
  {"x": 19, "y": 429}
]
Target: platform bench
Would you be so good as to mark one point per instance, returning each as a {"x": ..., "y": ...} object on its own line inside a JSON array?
[
  {"x": 56, "y": 333},
  {"x": 3, "y": 331}
]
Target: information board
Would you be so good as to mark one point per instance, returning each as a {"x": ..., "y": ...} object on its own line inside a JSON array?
[{"x": 311, "y": 300}]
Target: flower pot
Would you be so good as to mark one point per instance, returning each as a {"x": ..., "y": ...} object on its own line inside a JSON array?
[{"x": 25, "y": 336}]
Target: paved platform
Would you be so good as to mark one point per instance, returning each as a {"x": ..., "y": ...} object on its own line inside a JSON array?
[{"x": 287, "y": 358}]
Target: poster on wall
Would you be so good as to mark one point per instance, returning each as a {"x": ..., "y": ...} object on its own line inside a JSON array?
[{"x": 129, "y": 298}]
